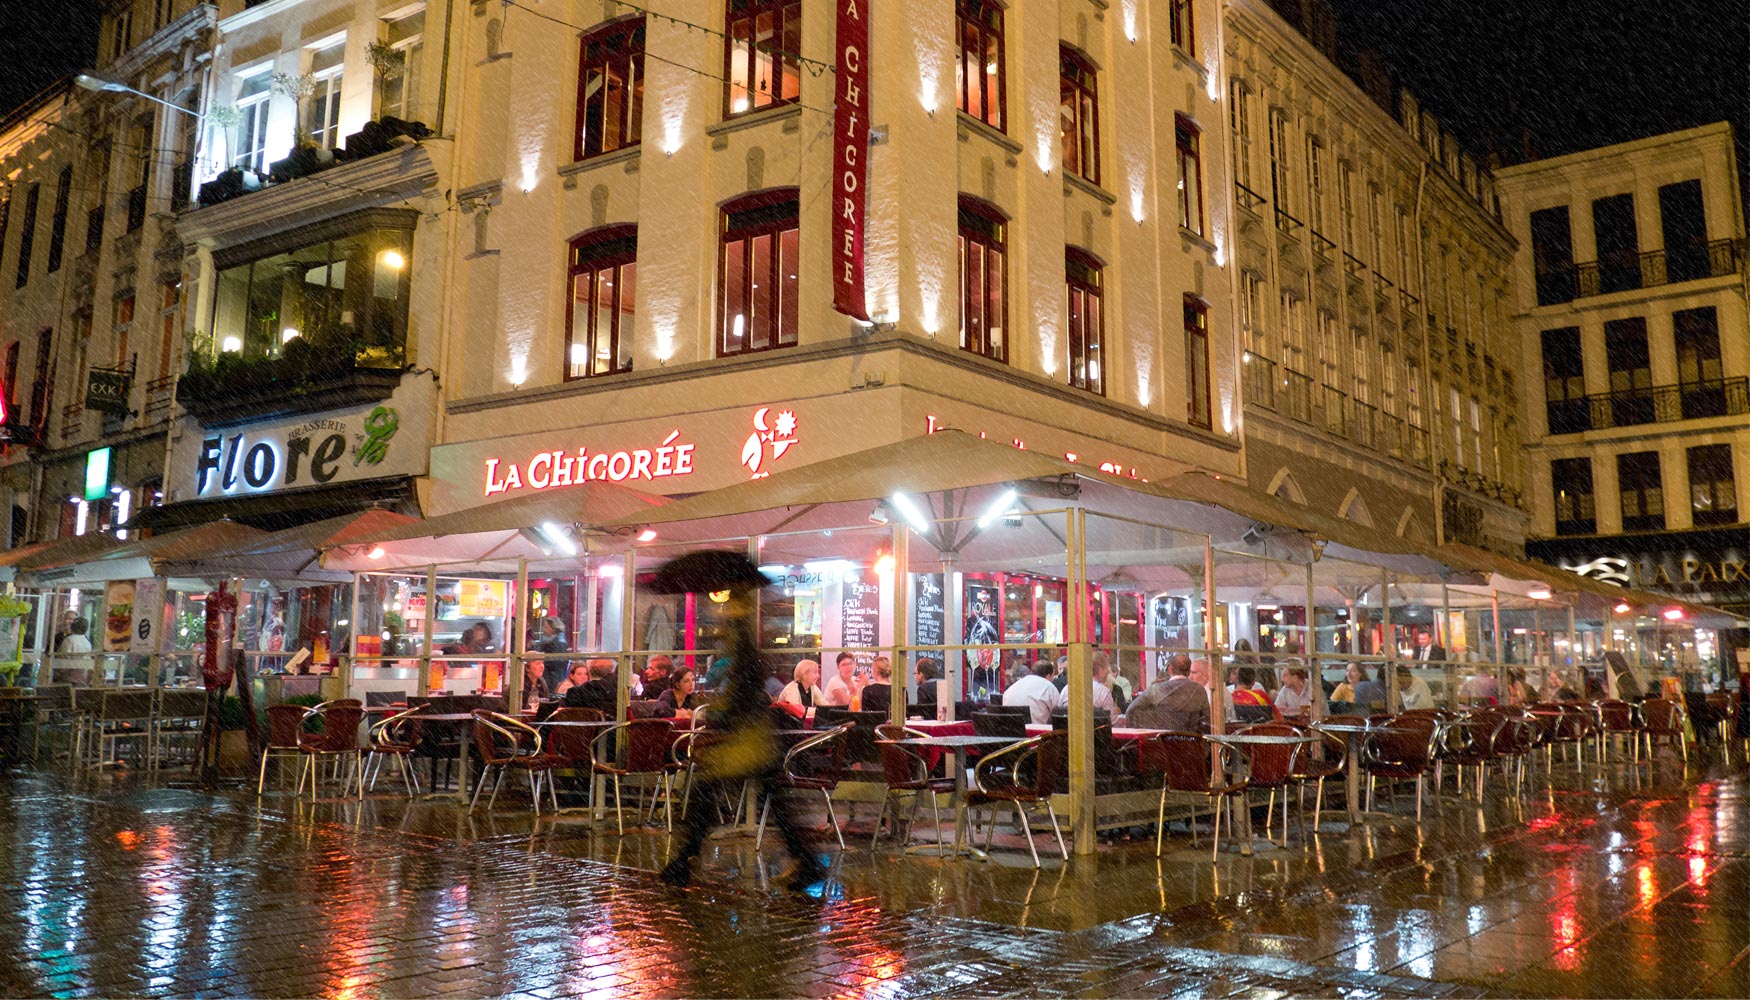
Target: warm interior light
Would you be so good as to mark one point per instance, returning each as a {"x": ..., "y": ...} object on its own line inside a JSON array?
[
  {"x": 1539, "y": 594},
  {"x": 375, "y": 553},
  {"x": 231, "y": 345},
  {"x": 288, "y": 335},
  {"x": 647, "y": 535},
  {"x": 392, "y": 259},
  {"x": 884, "y": 565},
  {"x": 1622, "y": 607},
  {"x": 1673, "y": 614},
  {"x": 719, "y": 596}
]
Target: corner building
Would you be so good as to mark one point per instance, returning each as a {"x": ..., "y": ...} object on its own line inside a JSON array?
[
  {"x": 1371, "y": 277},
  {"x": 1630, "y": 300},
  {"x": 642, "y": 292}
]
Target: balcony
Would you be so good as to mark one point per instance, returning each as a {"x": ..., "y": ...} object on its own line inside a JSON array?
[
  {"x": 1662, "y": 404},
  {"x": 1323, "y": 248},
  {"x": 1334, "y": 410},
  {"x": 1288, "y": 225},
  {"x": 1287, "y": 392},
  {"x": 1627, "y": 272},
  {"x": 1248, "y": 199},
  {"x": 305, "y": 378},
  {"x": 374, "y": 138}
]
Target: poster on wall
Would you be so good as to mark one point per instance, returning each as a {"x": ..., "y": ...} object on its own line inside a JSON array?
[
  {"x": 808, "y": 608},
  {"x": 931, "y": 616},
  {"x": 118, "y": 616},
  {"x": 481, "y": 598},
  {"x": 979, "y": 628},
  {"x": 1053, "y": 621},
  {"x": 146, "y": 632},
  {"x": 860, "y": 616}
]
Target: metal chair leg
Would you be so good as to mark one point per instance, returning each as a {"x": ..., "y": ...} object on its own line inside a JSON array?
[
  {"x": 880, "y": 814},
  {"x": 1215, "y": 835},
  {"x": 759, "y": 834},
  {"x": 261, "y": 774},
  {"x": 834, "y": 819},
  {"x": 619, "y": 814},
  {"x": 1161, "y": 822},
  {"x": 1055, "y": 829},
  {"x": 535, "y": 792},
  {"x": 1027, "y": 828}
]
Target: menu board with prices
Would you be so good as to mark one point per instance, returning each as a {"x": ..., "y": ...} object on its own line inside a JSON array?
[{"x": 860, "y": 616}]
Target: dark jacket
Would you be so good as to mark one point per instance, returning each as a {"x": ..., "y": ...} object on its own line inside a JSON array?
[
  {"x": 598, "y": 693},
  {"x": 666, "y": 706},
  {"x": 877, "y": 698}
]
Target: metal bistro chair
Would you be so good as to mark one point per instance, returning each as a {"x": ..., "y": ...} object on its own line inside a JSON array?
[
  {"x": 54, "y": 711},
  {"x": 338, "y": 740},
  {"x": 178, "y": 719},
  {"x": 395, "y": 737},
  {"x": 1663, "y": 720},
  {"x": 1399, "y": 750},
  {"x": 646, "y": 753},
  {"x": 906, "y": 770},
  {"x": 1469, "y": 741},
  {"x": 1049, "y": 755},
  {"x": 1315, "y": 769},
  {"x": 1616, "y": 719},
  {"x": 509, "y": 744},
  {"x": 83, "y": 705},
  {"x": 1270, "y": 766},
  {"x": 1185, "y": 768},
  {"x": 285, "y": 737},
  {"x": 815, "y": 764},
  {"x": 572, "y": 746},
  {"x": 122, "y": 717}
]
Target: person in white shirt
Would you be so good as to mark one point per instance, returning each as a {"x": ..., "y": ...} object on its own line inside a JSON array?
[
  {"x": 804, "y": 688},
  {"x": 1413, "y": 691},
  {"x": 1294, "y": 697},
  {"x": 1102, "y": 665},
  {"x": 1035, "y": 691},
  {"x": 75, "y": 641},
  {"x": 842, "y": 685}
]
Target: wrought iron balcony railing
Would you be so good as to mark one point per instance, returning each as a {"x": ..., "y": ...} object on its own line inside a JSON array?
[
  {"x": 1660, "y": 404},
  {"x": 1626, "y": 272}
]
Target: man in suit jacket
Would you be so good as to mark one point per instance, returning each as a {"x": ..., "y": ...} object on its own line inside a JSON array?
[{"x": 1427, "y": 649}]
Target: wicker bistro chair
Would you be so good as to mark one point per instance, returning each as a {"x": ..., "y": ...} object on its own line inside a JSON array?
[
  {"x": 646, "y": 752},
  {"x": 338, "y": 741},
  {"x": 996, "y": 780},
  {"x": 1185, "y": 768},
  {"x": 285, "y": 737},
  {"x": 507, "y": 744},
  {"x": 1663, "y": 720},
  {"x": 1617, "y": 719},
  {"x": 1399, "y": 750},
  {"x": 906, "y": 770},
  {"x": 816, "y": 764},
  {"x": 1314, "y": 769},
  {"x": 395, "y": 737}
]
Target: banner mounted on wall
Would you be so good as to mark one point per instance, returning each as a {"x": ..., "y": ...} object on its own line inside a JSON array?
[{"x": 850, "y": 159}]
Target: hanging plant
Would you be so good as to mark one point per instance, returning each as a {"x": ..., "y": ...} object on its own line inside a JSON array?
[
  {"x": 13, "y": 607},
  {"x": 387, "y": 61}
]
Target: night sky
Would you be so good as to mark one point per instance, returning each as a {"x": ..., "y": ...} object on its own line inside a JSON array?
[{"x": 1575, "y": 73}]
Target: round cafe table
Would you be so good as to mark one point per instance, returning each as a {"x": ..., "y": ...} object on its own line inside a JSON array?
[
  {"x": 958, "y": 745},
  {"x": 1353, "y": 734}
]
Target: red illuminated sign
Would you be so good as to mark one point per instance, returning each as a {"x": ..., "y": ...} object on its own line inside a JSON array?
[{"x": 850, "y": 161}]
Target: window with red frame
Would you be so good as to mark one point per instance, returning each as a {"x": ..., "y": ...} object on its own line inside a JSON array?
[
  {"x": 761, "y": 54},
  {"x": 1079, "y": 115},
  {"x": 1190, "y": 152},
  {"x": 983, "y": 277},
  {"x": 978, "y": 75},
  {"x": 1181, "y": 26},
  {"x": 1087, "y": 340},
  {"x": 1197, "y": 361},
  {"x": 758, "y": 308},
  {"x": 610, "y": 89},
  {"x": 603, "y": 273}
]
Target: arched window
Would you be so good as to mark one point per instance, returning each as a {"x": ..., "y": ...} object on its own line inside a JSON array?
[
  {"x": 984, "y": 310},
  {"x": 758, "y": 308},
  {"x": 603, "y": 274}
]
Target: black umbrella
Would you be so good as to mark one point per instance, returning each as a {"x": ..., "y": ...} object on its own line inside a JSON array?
[{"x": 707, "y": 573}]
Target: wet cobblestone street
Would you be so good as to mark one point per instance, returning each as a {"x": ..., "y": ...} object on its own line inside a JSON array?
[{"x": 1625, "y": 885}]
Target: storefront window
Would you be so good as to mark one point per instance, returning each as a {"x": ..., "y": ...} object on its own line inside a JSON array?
[
  {"x": 469, "y": 631},
  {"x": 346, "y": 294}
]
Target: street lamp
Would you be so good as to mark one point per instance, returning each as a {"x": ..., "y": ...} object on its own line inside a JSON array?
[{"x": 89, "y": 82}]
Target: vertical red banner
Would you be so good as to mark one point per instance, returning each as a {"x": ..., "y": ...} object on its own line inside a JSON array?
[{"x": 850, "y": 159}]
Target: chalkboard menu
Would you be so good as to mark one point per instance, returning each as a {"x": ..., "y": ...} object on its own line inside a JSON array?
[
  {"x": 931, "y": 620},
  {"x": 860, "y": 616}
]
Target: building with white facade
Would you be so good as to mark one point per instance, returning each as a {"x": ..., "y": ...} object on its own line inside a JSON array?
[
  {"x": 1629, "y": 298},
  {"x": 1371, "y": 283}
]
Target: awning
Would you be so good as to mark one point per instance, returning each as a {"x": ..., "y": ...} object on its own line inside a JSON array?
[
  {"x": 294, "y": 553},
  {"x": 60, "y": 552},
  {"x": 281, "y": 510},
  {"x": 505, "y": 530},
  {"x": 146, "y": 557}
]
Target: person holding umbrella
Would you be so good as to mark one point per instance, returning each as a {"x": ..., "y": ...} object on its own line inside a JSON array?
[{"x": 740, "y": 715}]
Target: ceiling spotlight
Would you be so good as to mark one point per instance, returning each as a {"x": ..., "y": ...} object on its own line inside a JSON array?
[
  {"x": 997, "y": 508},
  {"x": 558, "y": 537},
  {"x": 1539, "y": 593},
  {"x": 909, "y": 510},
  {"x": 879, "y": 514},
  {"x": 647, "y": 535}
]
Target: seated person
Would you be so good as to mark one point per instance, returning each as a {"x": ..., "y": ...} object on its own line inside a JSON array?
[
  {"x": 575, "y": 677},
  {"x": 1413, "y": 691},
  {"x": 804, "y": 690},
  {"x": 878, "y": 695},
  {"x": 1294, "y": 699},
  {"x": 1250, "y": 703},
  {"x": 929, "y": 672},
  {"x": 600, "y": 692},
  {"x": 1102, "y": 665},
  {"x": 536, "y": 688},
  {"x": 678, "y": 700},
  {"x": 842, "y": 686},
  {"x": 658, "y": 672},
  {"x": 1034, "y": 691},
  {"x": 1175, "y": 702}
]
